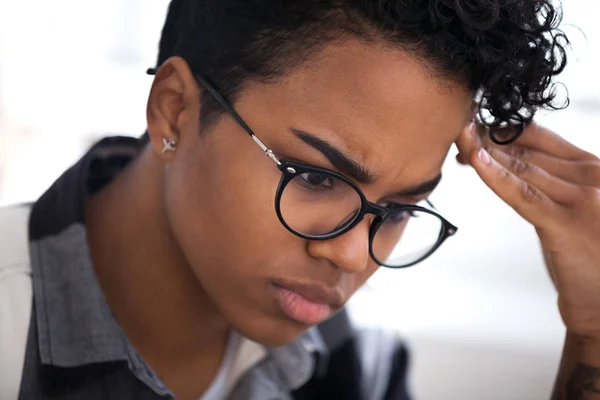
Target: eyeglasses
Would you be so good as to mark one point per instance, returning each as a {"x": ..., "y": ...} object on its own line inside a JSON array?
[{"x": 318, "y": 204}]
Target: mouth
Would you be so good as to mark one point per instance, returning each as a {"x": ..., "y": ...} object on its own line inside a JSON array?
[{"x": 308, "y": 304}]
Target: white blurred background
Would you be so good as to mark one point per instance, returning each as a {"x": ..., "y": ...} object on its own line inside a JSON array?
[{"x": 480, "y": 315}]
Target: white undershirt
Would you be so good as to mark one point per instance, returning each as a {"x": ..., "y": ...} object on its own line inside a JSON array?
[{"x": 241, "y": 354}]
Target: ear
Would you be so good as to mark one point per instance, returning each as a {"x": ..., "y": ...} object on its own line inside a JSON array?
[
  {"x": 173, "y": 108},
  {"x": 473, "y": 110}
]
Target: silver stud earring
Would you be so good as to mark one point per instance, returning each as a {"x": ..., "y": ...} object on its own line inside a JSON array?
[{"x": 168, "y": 145}]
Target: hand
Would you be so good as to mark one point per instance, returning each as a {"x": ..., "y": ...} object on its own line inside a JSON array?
[{"x": 556, "y": 187}]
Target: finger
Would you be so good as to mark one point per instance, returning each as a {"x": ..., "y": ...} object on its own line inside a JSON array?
[
  {"x": 526, "y": 199},
  {"x": 460, "y": 160},
  {"x": 555, "y": 188},
  {"x": 583, "y": 173},
  {"x": 467, "y": 143},
  {"x": 539, "y": 138}
]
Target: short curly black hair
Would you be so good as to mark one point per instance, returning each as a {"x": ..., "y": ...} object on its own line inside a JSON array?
[{"x": 507, "y": 51}]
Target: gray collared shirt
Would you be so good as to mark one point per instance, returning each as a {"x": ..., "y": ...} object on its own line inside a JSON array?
[{"x": 76, "y": 349}]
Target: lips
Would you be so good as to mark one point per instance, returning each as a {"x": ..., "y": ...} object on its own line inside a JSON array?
[{"x": 308, "y": 304}]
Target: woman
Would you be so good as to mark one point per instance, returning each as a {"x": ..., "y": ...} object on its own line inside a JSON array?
[{"x": 290, "y": 152}]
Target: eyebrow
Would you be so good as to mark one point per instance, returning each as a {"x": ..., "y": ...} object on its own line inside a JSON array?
[
  {"x": 422, "y": 188},
  {"x": 354, "y": 169},
  {"x": 337, "y": 158}
]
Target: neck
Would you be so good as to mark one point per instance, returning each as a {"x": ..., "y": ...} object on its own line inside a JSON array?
[{"x": 146, "y": 279}]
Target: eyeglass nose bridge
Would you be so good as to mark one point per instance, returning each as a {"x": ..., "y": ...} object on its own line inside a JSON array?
[
  {"x": 379, "y": 212},
  {"x": 373, "y": 209},
  {"x": 368, "y": 208}
]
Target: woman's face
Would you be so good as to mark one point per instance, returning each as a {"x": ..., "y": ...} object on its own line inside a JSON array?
[{"x": 378, "y": 106}]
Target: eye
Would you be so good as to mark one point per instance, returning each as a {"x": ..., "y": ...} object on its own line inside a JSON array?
[
  {"x": 397, "y": 214},
  {"x": 317, "y": 179},
  {"x": 400, "y": 216}
]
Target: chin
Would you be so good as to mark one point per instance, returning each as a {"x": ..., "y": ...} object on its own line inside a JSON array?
[{"x": 275, "y": 332}]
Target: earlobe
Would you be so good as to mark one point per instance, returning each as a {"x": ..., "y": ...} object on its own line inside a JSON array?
[{"x": 173, "y": 104}]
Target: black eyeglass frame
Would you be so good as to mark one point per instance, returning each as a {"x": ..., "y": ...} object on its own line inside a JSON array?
[{"x": 290, "y": 170}]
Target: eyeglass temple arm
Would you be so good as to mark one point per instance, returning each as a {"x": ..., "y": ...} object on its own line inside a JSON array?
[{"x": 217, "y": 96}]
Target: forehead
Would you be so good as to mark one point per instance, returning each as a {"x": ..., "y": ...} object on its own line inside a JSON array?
[{"x": 382, "y": 106}]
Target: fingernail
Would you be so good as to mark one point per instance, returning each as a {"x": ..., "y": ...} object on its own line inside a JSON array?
[{"x": 484, "y": 157}]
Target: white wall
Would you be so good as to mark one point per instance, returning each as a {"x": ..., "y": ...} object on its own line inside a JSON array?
[
  {"x": 70, "y": 71},
  {"x": 480, "y": 315}
]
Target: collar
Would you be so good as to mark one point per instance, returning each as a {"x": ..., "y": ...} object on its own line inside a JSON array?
[{"x": 75, "y": 325}]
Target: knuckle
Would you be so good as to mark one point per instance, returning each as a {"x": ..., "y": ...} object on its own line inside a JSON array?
[
  {"x": 591, "y": 157},
  {"x": 529, "y": 194},
  {"x": 584, "y": 208},
  {"x": 504, "y": 175},
  {"x": 522, "y": 167},
  {"x": 589, "y": 195},
  {"x": 518, "y": 166},
  {"x": 519, "y": 152}
]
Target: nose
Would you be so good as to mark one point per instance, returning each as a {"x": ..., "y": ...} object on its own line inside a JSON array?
[{"x": 349, "y": 251}]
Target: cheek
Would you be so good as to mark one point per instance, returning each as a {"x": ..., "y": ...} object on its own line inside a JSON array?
[
  {"x": 226, "y": 227},
  {"x": 222, "y": 213},
  {"x": 223, "y": 218}
]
